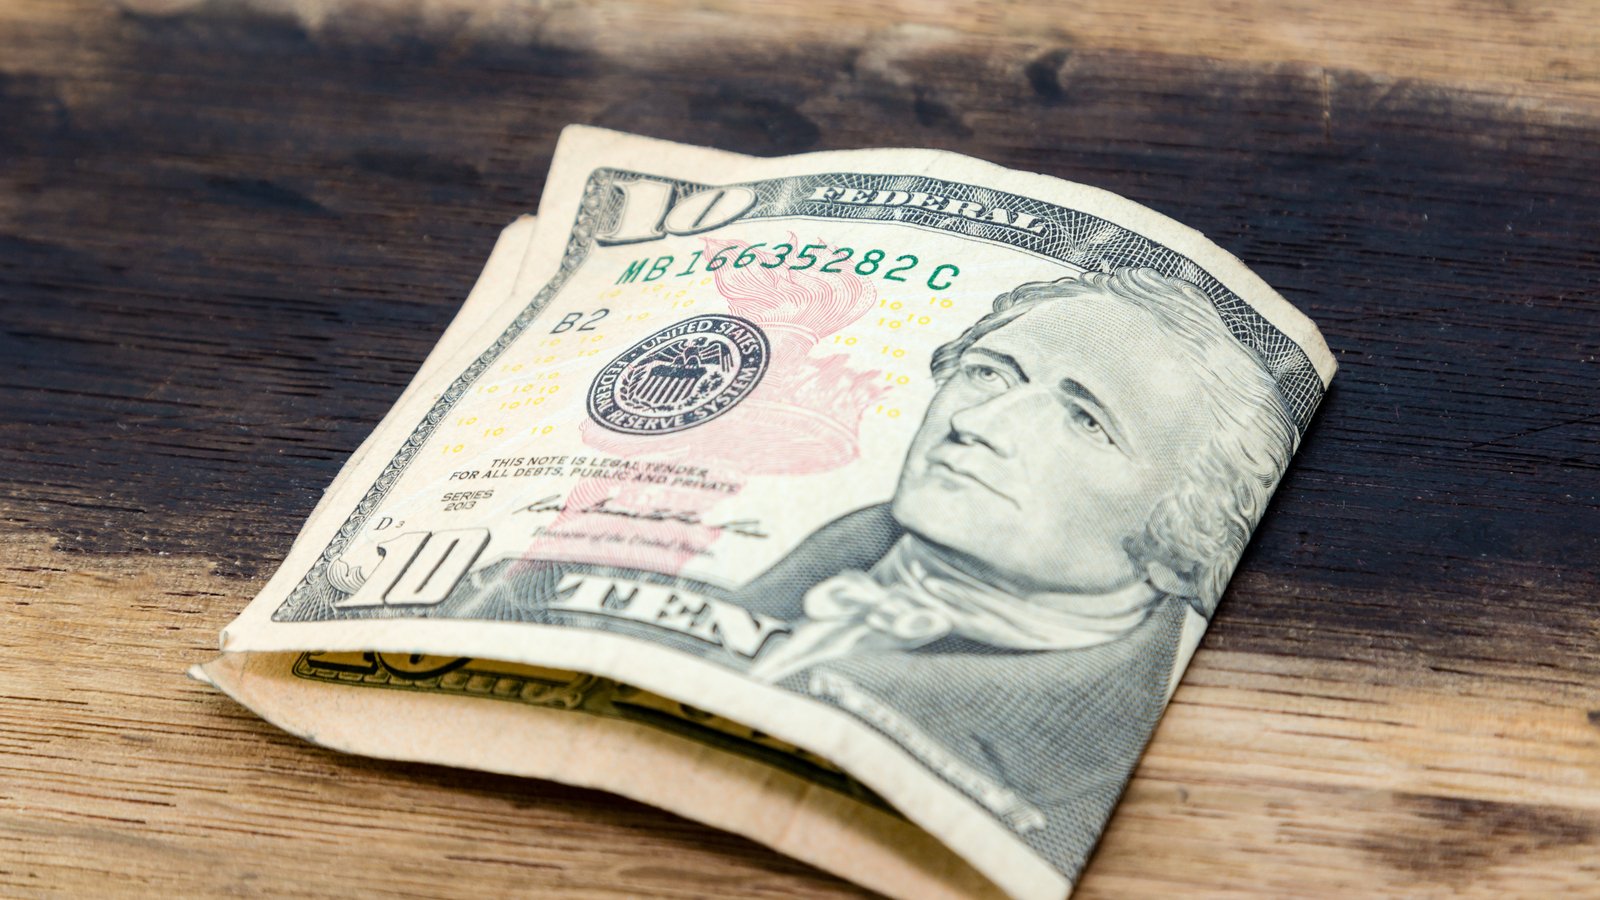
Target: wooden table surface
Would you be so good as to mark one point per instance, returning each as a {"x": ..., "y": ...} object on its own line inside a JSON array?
[{"x": 229, "y": 231}]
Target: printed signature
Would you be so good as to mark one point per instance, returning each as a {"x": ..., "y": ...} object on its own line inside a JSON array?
[{"x": 750, "y": 528}]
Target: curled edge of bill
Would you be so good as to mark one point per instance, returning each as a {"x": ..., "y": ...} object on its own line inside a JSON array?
[
  {"x": 793, "y": 816},
  {"x": 878, "y": 762}
]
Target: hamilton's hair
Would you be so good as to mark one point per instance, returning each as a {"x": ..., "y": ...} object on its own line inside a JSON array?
[{"x": 1198, "y": 530}]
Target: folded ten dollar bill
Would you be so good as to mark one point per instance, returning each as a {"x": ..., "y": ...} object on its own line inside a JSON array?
[{"x": 869, "y": 504}]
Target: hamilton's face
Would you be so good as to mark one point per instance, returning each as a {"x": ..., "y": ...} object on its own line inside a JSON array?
[{"x": 1051, "y": 444}]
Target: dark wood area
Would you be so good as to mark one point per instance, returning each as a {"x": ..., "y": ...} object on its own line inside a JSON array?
[{"x": 228, "y": 237}]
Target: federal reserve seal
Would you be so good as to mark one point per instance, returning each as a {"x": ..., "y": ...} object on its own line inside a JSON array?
[{"x": 680, "y": 376}]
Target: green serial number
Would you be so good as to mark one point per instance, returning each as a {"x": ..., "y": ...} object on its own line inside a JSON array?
[{"x": 837, "y": 260}]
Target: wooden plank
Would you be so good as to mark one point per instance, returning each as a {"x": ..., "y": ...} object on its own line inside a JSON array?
[
  {"x": 227, "y": 236},
  {"x": 1545, "y": 52}
]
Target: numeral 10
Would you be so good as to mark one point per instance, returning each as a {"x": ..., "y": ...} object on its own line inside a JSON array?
[
  {"x": 649, "y": 211},
  {"x": 911, "y": 318},
  {"x": 419, "y": 568}
]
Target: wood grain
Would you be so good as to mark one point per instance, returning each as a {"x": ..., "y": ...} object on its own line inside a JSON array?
[{"x": 229, "y": 233}]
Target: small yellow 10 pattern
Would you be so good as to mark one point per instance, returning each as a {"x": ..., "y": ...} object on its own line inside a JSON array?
[
  {"x": 894, "y": 318},
  {"x": 510, "y": 395}
]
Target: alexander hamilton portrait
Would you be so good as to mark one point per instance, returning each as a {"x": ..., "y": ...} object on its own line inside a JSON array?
[{"x": 1087, "y": 474}]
